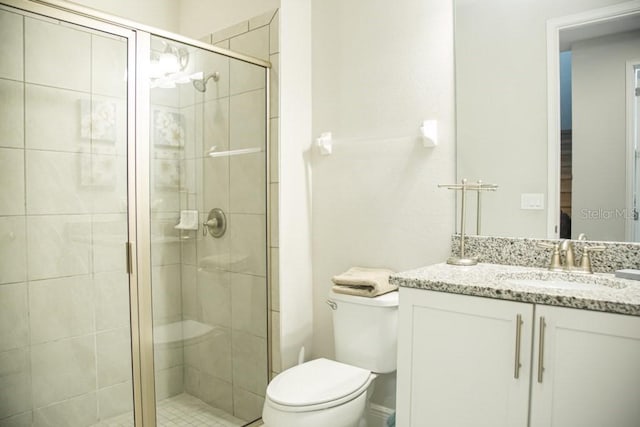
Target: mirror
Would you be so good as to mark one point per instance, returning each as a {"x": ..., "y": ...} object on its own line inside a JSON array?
[{"x": 566, "y": 145}]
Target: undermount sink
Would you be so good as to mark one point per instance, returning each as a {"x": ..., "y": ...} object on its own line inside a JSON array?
[{"x": 559, "y": 280}]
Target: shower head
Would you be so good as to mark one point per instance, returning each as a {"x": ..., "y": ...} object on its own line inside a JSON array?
[{"x": 201, "y": 84}]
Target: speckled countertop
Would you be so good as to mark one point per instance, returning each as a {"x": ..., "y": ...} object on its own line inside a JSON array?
[{"x": 599, "y": 292}]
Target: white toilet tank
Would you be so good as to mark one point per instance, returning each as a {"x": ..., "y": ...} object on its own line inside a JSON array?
[{"x": 366, "y": 330}]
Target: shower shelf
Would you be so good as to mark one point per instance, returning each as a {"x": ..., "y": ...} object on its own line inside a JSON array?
[{"x": 229, "y": 153}]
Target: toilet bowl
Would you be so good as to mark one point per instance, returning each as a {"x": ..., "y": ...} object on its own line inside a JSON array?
[
  {"x": 318, "y": 393},
  {"x": 328, "y": 393}
]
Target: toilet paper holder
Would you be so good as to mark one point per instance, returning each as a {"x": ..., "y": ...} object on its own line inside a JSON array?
[{"x": 216, "y": 223}]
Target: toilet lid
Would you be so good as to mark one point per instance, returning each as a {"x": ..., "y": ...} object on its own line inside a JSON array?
[{"x": 315, "y": 382}]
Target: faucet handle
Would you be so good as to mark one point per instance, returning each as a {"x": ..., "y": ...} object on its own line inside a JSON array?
[
  {"x": 554, "y": 262},
  {"x": 585, "y": 260}
]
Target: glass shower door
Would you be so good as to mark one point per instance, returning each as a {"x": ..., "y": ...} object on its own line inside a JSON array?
[
  {"x": 65, "y": 346},
  {"x": 208, "y": 228}
]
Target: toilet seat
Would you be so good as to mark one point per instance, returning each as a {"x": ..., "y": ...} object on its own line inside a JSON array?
[{"x": 318, "y": 384}]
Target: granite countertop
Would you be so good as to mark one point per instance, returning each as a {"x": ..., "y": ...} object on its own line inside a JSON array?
[{"x": 599, "y": 292}]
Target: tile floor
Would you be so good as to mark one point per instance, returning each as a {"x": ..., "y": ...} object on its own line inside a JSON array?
[{"x": 181, "y": 410}]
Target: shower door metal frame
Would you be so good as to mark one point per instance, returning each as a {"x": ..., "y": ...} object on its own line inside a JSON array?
[{"x": 138, "y": 246}]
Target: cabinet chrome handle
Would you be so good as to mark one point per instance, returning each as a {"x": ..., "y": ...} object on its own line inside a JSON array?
[
  {"x": 517, "y": 364},
  {"x": 541, "y": 349}
]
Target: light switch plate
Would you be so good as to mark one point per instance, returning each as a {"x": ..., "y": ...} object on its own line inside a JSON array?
[{"x": 532, "y": 201}]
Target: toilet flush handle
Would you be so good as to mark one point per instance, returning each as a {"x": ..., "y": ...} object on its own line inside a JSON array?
[{"x": 332, "y": 304}]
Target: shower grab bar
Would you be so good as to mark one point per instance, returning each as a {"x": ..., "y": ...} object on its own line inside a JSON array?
[{"x": 228, "y": 153}]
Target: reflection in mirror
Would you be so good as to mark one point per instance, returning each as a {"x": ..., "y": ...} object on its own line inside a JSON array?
[{"x": 509, "y": 121}]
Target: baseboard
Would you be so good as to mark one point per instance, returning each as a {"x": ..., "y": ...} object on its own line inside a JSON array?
[{"x": 378, "y": 415}]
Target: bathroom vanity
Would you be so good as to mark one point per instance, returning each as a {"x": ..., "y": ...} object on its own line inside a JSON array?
[{"x": 497, "y": 345}]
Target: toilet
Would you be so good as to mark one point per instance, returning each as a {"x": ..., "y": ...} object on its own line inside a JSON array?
[{"x": 335, "y": 393}]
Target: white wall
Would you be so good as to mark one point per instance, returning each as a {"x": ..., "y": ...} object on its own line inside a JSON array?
[
  {"x": 379, "y": 70},
  {"x": 200, "y": 17},
  {"x": 161, "y": 14},
  {"x": 296, "y": 295},
  {"x": 599, "y": 134}
]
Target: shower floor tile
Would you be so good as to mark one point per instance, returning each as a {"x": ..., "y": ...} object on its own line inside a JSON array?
[{"x": 181, "y": 410}]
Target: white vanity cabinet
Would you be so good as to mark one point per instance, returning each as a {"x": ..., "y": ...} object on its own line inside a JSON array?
[
  {"x": 591, "y": 369},
  {"x": 472, "y": 361}
]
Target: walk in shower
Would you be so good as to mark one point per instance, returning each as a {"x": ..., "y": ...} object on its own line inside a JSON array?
[{"x": 133, "y": 224}]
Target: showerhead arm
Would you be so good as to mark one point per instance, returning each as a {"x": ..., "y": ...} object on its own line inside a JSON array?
[{"x": 201, "y": 85}]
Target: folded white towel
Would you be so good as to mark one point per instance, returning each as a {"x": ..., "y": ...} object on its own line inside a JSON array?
[{"x": 366, "y": 282}]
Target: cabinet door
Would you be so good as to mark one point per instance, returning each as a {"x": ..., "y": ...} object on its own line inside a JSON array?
[
  {"x": 456, "y": 361},
  {"x": 591, "y": 369}
]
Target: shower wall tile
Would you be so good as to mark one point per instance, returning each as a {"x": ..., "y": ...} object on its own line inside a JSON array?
[
  {"x": 58, "y": 245},
  {"x": 231, "y": 31},
  {"x": 214, "y": 354},
  {"x": 246, "y": 405},
  {"x": 275, "y": 278},
  {"x": 169, "y": 382},
  {"x": 276, "y": 356},
  {"x": 13, "y": 249},
  {"x": 109, "y": 232},
  {"x": 14, "y": 317},
  {"x": 215, "y": 297},
  {"x": 223, "y": 44},
  {"x": 167, "y": 305},
  {"x": 261, "y": 20},
  {"x": 108, "y": 124},
  {"x": 165, "y": 245},
  {"x": 11, "y": 45},
  {"x": 78, "y": 411},
  {"x": 56, "y": 183},
  {"x": 247, "y": 189},
  {"x": 164, "y": 97},
  {"x": 15, "y": 383},
  {"x": 248, "y": 241},
  {"x": 107, "y": 183},
  {"x": 249, "y": 362},
  {"x": 245, "y": 77},
  {"x": 61, "y": 308},
  {"x": 12, "y": 178},
  {"x": 213, "y": 254},
  {"x": 216, "y": 392},
  {"x": 249, "y": 304},
  {"x": 188, "y": 182},
  {"x": 247, "y": 125},
  {"x": 274, "y": 87},
  {"x": 57, "y": 55},
  {"x": 192, "y": 134},
  {"x": 11, "y": 111},
  {"x": 109, "y": 66},
  {"x": 210, "y": 63},
  {"x": 274, "y": 131},
  {"x": 63, "y": 369},
  {"x": 21, "y": 420},
  {"x": 188, "y": 248},
  {"x": 275, "y": 214},
  {"x": 253, "y": 43},
  {"x": 111, "y": 300},
  {"x": 54, "y": 119},
  {"x": 216, "y": 185},
  {"x": 113, "y": 350},
  {"x": 189, "y": 292},
  {"x": 215, "y": 121},
  {"x": 115, "y": 400},
  {"x": 167, "y": 356},
  {"x": 274, "y": 34}
]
